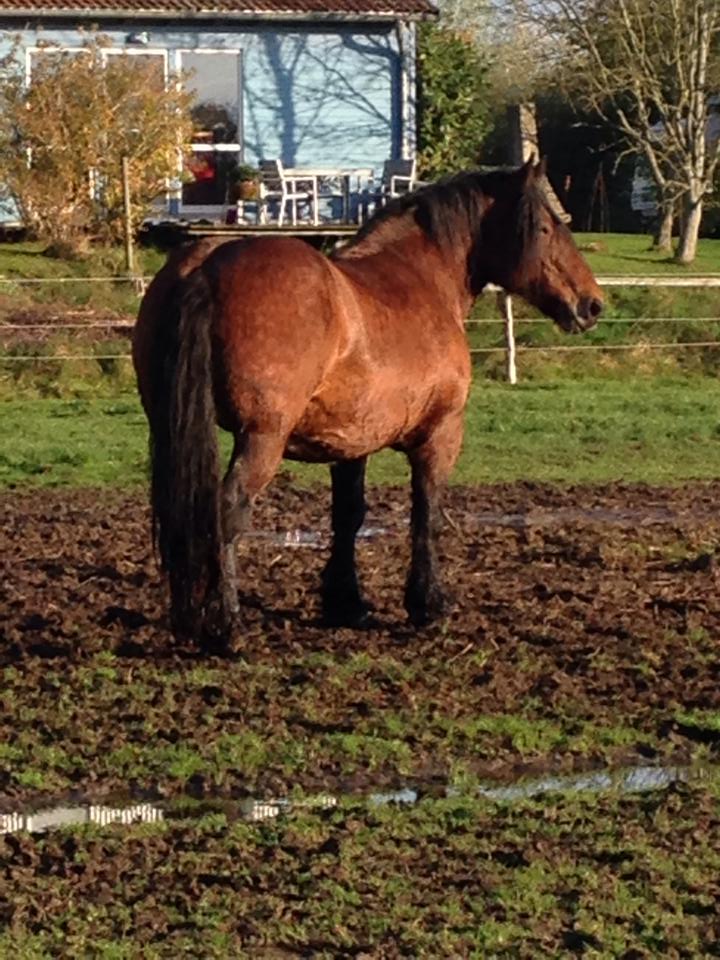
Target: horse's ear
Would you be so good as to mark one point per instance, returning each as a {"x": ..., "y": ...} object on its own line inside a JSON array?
[
  {"x": 527, "y": 172},
  {"x": 541, "y": 168}
]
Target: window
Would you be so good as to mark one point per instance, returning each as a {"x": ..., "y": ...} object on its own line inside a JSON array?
[
  {"x": 214, "y": 77},
  {"x": 37, "y": 54}
]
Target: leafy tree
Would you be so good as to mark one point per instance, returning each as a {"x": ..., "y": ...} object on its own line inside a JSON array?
[
  {"x": 452, "y": 99},
  {"x": 63, "y": 136}
]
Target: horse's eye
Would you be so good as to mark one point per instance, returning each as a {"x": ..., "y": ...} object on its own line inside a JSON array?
[{"x": 545, "y": 230}]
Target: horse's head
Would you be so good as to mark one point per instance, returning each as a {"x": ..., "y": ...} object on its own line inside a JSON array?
[{"x": 527, "y": 249}]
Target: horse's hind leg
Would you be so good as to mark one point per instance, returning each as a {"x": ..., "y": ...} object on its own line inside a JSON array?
[
  {"x": 236, "y": 510},
  {"x": 341, "y": 599},
  {"x": 431, "y": 464},
  {"x": 254, "y": 461}
]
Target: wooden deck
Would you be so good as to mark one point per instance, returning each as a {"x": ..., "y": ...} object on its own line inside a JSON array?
[{"x": 172, "y": 233}]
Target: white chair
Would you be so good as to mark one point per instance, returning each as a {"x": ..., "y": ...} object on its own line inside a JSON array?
[
  {"x": 398, "y": 178},
  {"x": 276, "y": 185}
]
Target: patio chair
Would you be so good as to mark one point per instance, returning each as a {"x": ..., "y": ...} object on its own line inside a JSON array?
[
  {"x": 275, "y": 185},
  {"x": 398, "y": 178}
]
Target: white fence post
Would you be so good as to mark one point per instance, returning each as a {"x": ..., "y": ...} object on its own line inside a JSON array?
[{"x": 505, "y": 305}]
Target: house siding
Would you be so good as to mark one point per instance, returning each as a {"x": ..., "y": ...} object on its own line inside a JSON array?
[{"x": 323, "y": 94}]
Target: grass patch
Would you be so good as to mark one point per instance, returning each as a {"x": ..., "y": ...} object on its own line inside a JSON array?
[
  {"x": 628, "y": 254},
  {"x": 27, "y": 261},
  {"x": 608, "y": 877},
  {"x": 658, "y": 431}
]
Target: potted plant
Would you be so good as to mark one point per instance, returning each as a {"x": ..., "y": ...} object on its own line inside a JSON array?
[{"x": 244, "y": 182}]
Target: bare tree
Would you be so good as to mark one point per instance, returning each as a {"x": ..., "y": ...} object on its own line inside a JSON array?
[{"x": 651, "y": 69}]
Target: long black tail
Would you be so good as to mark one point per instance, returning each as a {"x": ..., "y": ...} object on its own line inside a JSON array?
[{"x": 185, "y": 488}]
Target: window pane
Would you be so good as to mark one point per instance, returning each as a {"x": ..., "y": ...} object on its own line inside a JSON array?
[
  {"x": 152, "y": 65},
  {"x": 50, "y": 57},
  {"x": 215, "y": 81},
  {"x": 212, "y": 178}
]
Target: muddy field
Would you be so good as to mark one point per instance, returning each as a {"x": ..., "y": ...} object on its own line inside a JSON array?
[
  {"x": 581, "y": 607},
  {"x": 584, "y": 635}
]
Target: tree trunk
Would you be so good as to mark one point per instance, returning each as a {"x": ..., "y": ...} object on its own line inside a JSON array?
[
  {"x": 523, "y": 133},
  {"x": 662, "y": 235},
  {"x": 687, "y": 246}
]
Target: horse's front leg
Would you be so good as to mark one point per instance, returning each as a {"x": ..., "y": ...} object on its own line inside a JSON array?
[
  {"x": 431, "y": 464},
  {"x": 342, "y": 602}
]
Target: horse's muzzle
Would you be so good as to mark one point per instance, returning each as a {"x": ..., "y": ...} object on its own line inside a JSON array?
[
  {"x": 583, "y": 316},
  {"x": 588, "y": 311}
]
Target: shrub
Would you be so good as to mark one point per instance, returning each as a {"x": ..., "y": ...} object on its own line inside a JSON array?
[
  {"x": 63, "y": 136},
  {"x": 452, "y": 101}
]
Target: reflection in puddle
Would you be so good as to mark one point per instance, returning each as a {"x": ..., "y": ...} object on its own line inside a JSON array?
[
  {"x": 309, "y": 538},
  {"x": 395, "y": 796},
  {"x": 255, "y": 810},
  {"x": 627, "y": 780},
  {"x": 42, "y": 820}
]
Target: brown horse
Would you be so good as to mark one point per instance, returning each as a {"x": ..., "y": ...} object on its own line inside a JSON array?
[{"x": 330, "y": 359}]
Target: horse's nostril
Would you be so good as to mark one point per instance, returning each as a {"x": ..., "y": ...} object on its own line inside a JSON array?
[{"x": 595, "y": 308}]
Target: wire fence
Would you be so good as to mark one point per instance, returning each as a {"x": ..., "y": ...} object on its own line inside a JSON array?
[{"x": 506, "y": 319}]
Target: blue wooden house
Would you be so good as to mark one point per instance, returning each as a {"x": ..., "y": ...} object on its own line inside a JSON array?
[{"x": 311, "y": 82}]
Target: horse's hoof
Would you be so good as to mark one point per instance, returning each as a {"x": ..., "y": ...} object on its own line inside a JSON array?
[
  {"x": 217, "y": 636},
  {"x": 356, "y": 616},
  {"x": 431, "y": 608},
  {"x": 216, "y": 643}
]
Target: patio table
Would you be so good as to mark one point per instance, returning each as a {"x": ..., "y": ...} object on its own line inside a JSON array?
[{"x": 315, "y": 176}]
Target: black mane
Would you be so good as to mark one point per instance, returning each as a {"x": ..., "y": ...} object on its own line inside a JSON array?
[{"x": 456, "y": 205}]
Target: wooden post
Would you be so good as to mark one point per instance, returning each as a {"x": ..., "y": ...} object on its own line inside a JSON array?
[
  {"x": 127, "y": 216},
  {"x": 505, "y": 304}
]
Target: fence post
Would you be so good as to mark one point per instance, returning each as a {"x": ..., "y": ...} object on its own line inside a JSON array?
[
  {"x": 127, "y": 217},
  {"x": 505, "y": 305}
]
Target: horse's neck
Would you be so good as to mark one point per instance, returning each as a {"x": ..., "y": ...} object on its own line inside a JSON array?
[
  {"x": 403, "y": 243},
  {"x": 388, "y": 234}
]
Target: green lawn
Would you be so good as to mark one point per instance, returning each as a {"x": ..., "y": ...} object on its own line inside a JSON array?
[
  {"x": 596, "y": 430},
  {"x": 604, "y": 878},
  {"x": 23, "y": 261},
  {"x": 614, "y": 254}
]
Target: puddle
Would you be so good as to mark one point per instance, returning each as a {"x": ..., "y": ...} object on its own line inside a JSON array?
[
  {"x": 309, "y": 538},
  {"x": 627, "y": 780},
  {"x": 41, "y": 821},
  {"x": 618, "y": 517},
  {"x": 534, "y": 517}
]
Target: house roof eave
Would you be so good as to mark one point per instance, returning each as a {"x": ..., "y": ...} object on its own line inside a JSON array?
[{"x": 34, "y": 13}]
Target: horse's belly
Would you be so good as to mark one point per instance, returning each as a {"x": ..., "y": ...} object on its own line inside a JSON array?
[
  {"x": 328, "y": 446},
  {"x": 323, "y": 436}
]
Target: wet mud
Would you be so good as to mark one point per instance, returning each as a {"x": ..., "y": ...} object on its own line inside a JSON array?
[
  {"x": 584, "y": 607},
  {"x": 583, "y": 640}
]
